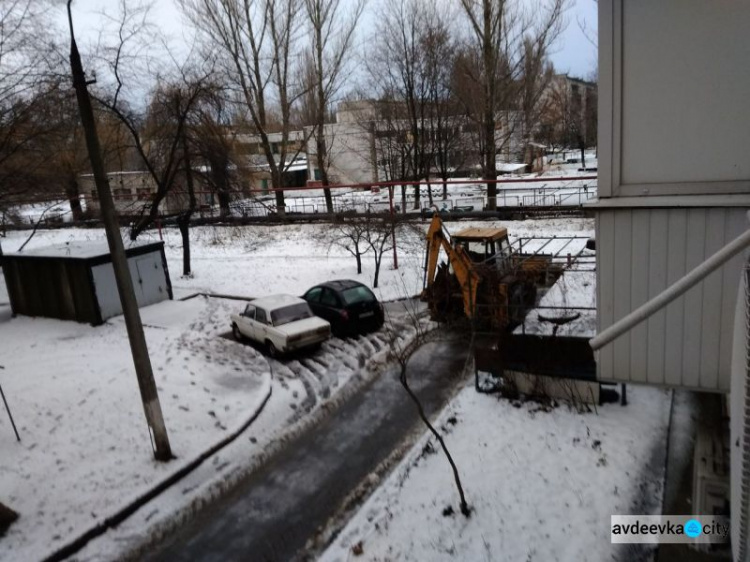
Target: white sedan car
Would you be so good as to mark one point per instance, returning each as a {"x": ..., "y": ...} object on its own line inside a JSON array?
[{"x": 281, "y": 323}]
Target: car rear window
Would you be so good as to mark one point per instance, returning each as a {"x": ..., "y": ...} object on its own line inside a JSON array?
[
  {"x": 354, "y": 295},
  {"x": 290, "y": 313}
]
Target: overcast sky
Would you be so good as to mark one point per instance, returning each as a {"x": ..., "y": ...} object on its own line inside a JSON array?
[{"x": 573, "y": 54}]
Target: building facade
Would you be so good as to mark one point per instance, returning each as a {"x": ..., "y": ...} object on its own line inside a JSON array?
[{"x": 674, "y": 188}]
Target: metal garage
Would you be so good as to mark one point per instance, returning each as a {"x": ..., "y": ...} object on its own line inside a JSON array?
[{"x": 76, "y": 281}]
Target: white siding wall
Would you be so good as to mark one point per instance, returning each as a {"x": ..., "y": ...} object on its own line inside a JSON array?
[
  {"x": 673, "y": 97},
  {"x": 641, "y": 252}
]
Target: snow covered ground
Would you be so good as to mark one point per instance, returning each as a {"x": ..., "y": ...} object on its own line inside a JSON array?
[
  {"x": 85, "y": 450},
  {"x": 258, "y": 260},
  {"x": 541, "y": 484},
  {"x": 84, "y": 447},
  {"x": 54, "y": 211}
]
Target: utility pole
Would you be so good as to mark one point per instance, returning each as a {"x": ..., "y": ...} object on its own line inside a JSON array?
[{"x": 138, "y": 347}]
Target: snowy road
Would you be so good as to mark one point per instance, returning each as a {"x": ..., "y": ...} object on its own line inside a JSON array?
[{"x": 276, "y": 511}]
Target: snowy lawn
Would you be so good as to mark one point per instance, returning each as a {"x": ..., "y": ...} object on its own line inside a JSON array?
[
  {"x": 85, "y": 448},
  {"x": 258, "y": 260},
  {"x": 542, "y": 484}
]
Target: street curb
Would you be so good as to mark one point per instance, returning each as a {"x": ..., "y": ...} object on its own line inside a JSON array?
[
  {"x": 125, "y": 512},
  {"x": 222, "y": 487}
]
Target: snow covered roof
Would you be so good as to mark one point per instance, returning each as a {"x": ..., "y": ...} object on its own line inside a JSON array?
[
  {"x": 505, "y": 168},
  {"x": 79, "y": 250}
]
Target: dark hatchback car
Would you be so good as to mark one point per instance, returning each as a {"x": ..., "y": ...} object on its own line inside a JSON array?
[{"x": 349, "y": 306}]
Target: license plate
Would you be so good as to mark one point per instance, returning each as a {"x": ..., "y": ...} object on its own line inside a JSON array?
[{"x": 367, "y": 315}]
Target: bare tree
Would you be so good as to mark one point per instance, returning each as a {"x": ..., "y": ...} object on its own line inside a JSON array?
[
  {"x": 350, "y": 233},
  {"x": 160, "y": 143},
  {"x": 403, "y": 354},
  {"x": 498, "y": 31},
  {"x": 213, "y": 139},
  {"x": 398, "y": 71},
  {"x": 379, "y": 230},
  {"x": 25, "y": 67},
  {"x": 255, "y": 41},
  {"x": 444, "y": 125},
  {"x": 571, "y": 114},
  {"x": 534, "y": 91},
  {"x": 332, "y": 32}
]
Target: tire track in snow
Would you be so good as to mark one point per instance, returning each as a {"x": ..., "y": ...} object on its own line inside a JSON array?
[
  {"x": 324, "y": 375},
  {"x": 325, "y": 369},
  {"x": 310, "y": 399}
]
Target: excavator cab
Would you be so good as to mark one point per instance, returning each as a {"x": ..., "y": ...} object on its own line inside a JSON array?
[
  {"x": 480, "y": 279},
  {"x": 485, "y": 246}
]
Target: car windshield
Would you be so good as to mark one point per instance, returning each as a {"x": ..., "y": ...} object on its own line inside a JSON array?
[
  {"x": 357, "y": 294},
  {"x": 290, "y": 313}
]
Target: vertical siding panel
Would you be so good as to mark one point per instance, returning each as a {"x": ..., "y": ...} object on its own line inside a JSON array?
[
  {"x": 736, "y": 224},
  {"x": 639, "y": 294},
  {"x": 712, "y": 309},
  {"x": 605, "y": 240},
  {"x": 693, "y": 299},
  {"x": 658, "y": 250},
  {"x": 622, "y": 282},
  {"x": 677, "y": 238}
]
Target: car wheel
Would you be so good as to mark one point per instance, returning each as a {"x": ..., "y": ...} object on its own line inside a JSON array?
[
  {"x": 236, "y": 332},
  {"x": 271, "y": 350}
]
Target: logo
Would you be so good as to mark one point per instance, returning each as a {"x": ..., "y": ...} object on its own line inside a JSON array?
[{"x": 693, "y": 528}]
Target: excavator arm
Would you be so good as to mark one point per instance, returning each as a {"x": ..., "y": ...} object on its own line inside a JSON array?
[{"x": 462, "y": 265}]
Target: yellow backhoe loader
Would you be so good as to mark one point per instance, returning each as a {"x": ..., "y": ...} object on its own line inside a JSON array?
[{"x": 484, "y": 280}]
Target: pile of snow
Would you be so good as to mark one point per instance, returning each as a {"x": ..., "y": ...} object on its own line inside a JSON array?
[{"x": 541, "y": 484}]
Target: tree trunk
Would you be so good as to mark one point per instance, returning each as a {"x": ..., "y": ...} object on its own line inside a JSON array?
[
  {"x": 358, "y": 255},
  {"x": 377, "y": 271},
  {"x": 183, "y": 223},
  {"x": 490, "y": 169},
  {"x": 223, "y": 203},
  {"x": 277, "y": 183},
  {"x": 74, "y": 198},
  {"x": 445, "y": 189},
  {"x": 321, "y": 157},
  {"x": 582, "y": 146}
]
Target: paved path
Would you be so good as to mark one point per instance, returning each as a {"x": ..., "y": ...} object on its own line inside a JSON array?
[{"x": 271, "y": 516}]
